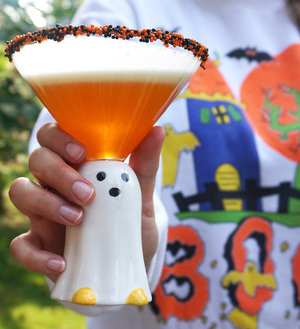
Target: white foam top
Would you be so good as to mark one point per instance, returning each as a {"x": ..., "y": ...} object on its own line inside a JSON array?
[{"x": 98, "y": 57}]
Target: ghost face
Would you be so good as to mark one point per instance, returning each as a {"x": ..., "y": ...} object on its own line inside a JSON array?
[{"x": 117, "y": 188}]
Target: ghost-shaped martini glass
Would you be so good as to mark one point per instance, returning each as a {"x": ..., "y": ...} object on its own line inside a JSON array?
[{"x": 107, "y": 93}]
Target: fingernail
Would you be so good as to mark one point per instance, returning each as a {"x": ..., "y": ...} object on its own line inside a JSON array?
[
  {"x": 82, "y": 191},
  {"x": 55, "y": 265},
  {"x": 74, "y": 151},
  {"x": 71, "y": 214}
]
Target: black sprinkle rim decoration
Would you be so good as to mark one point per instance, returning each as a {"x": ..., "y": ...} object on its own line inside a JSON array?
[{"x": 58, "y": 33}]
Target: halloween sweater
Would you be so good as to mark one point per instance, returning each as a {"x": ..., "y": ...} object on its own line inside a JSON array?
[{"x": 230, "y": 169}]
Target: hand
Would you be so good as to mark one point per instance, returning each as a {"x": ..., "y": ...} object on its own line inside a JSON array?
[{"x": 57, "y": 201}]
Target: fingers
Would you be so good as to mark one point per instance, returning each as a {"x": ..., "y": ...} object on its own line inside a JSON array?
[
  {"x": 32, "y": 199},
  {"x": 54, "y": 138},
  {"x": 50, "y": 169},
  {"x": 145, "y": 161},
  {"x": 48, "y": 164},
  {"x": 25, "y": 250},
  {"x": 39, "y": 249}
]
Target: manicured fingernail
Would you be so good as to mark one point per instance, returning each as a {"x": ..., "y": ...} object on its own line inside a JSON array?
[
  {"x": 71, "y": 214},
  {"x": 74, "y": 151},
  {"x": 82, "y": 191},
  {"x": 55, "y": 265}
]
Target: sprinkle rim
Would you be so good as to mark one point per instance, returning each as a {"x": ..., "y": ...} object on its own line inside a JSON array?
[{"x": 59, "y": 32}]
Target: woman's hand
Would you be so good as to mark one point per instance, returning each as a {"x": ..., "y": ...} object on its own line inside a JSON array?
[{"x": 57, "y": 202}]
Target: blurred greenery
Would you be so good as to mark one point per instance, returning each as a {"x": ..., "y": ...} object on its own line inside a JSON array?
[{"x": 25, "y": 302}]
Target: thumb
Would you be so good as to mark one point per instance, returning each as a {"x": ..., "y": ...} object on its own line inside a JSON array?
[{"x": 145, "y": 161}]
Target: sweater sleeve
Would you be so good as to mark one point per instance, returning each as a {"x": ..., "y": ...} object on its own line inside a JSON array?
[
  {"x": 156, "y": 265},
  {"x": 102, "y": 12},
  {"x": 43, "y": 118}
]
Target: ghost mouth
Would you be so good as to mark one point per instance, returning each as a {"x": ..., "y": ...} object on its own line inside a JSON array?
[{"x": 114, "y": 192}]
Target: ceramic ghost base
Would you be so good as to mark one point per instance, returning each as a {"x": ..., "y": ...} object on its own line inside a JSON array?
[{"x": 104, "y": 259}]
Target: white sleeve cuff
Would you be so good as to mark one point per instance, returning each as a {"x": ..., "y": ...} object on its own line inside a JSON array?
[
  {"x": 43, "y": 118},
  {"x": 156, "y": 265}
]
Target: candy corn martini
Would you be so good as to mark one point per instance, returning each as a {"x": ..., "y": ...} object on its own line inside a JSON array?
[{"x": 107, "y": 91}]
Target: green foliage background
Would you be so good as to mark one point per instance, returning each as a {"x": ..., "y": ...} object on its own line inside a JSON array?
[{"x": 24, "y": 302}]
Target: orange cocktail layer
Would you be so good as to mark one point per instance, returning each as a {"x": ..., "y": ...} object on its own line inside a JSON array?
[{"x": 109, "y": 117}]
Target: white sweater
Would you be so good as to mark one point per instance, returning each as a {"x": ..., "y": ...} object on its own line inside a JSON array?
[{"x": 230, "y": 174}]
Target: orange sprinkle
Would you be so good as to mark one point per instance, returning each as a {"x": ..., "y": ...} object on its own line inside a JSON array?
[{"x": 145, "y": 35}]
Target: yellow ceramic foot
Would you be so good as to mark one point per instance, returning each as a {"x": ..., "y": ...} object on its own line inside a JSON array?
[
  {"x": 137, "y": 297},
  {"x": 84, "y": 296}
]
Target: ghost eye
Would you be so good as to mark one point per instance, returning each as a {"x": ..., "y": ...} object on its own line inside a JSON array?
[
  {"x": 125, "y": 177},
  {"x": 101, "y": 176}
]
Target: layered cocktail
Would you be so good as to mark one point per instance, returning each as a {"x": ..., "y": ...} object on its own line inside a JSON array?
[{"x": 107, "y": 93}]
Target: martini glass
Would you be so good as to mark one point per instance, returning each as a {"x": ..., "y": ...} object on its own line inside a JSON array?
[{"x": 107, "y": 94}]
